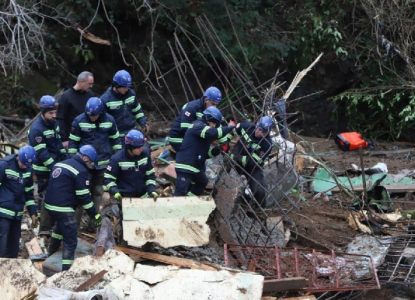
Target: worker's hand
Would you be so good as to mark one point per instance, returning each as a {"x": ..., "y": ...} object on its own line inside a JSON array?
[
  {"x": 97, "y": 220},
  {"x": 118, "y": 197},
  {"x": 35, "y": 221},
  {"x": 232, "y": 124},
  {"x": 146, "y": 128},
  {"x": 155, "y": 196},
  {"x": 65, "y": 145}
]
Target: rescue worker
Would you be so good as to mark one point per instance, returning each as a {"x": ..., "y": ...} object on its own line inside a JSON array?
[
  {"x": 67, "y": 189},
  {"x": 44, "y": 136},
  {"x": 96, "y": 128},
  {"x": 16, "y": 191},
  {"x": 130, "y": 172},
  {"x": 72, "y": 103},
  {"x": 250, "y": 152},
  {"x": 190, "y": 168},
  {"x": 121, "y": 102},
  {"x": 190, "y": 113}
]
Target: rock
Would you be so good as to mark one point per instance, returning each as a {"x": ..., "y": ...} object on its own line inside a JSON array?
[{"x": 18, "y": 278}]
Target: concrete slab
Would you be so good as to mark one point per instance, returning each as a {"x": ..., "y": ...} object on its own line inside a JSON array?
[
  {"x": 18, "y": 278},
  {"x": 53, "y": 264},
  {"x": 115, "y": 262},
  {"x": 169, "y": 222}
]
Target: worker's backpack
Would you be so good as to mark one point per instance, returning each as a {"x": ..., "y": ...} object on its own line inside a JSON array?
[{"x": 349, "y": 141}]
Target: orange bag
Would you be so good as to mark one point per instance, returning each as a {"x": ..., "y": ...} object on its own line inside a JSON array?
[{"x": 349, "y": 141}]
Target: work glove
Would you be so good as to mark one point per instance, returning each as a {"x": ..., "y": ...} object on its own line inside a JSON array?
[
  {"x": 118, "y": 197},
  {"x": 225, "y": 148},
  {"x": 35, "y": 221},
  {"x": 97, "y": 220},
  {"x": 155, "y": 196},
  {"x": 105, "y": 188},
  {"x": 232, "y": 124}
]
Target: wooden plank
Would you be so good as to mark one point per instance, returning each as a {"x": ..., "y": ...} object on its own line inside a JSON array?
[
  {"x": 285, "y": 284},
  {"x": 33, "y": 248},
  {"x": 391, "y": 188},
  {"x": 170, "y": 260},
  {"x": 309, "y": 297},
  {"x": 391, "y": 151},
  {"x": 91, "y": 281}
]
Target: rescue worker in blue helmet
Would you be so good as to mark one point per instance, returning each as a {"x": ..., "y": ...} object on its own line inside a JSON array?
[
  {"x": 122, "y": 103},
  {"x": 44, "y": 136},
  {"x": 98, "y": 129},
  {"x": 130, "y": 172},
  {"x": 191, "y": 112},
  {"x": 68, "y": 188},
  {"x": 250, "y": 152},
  {"x": 16, "y": 192},
  {"x": 190, "y": 167}
]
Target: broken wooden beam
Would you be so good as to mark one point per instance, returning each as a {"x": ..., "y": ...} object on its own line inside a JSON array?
[
  {"x": 170, "y": 260},
  {"x": 285, "y": 284},
  {"x": 91, "y": 281},
  {"x": 33, "y": 248}
]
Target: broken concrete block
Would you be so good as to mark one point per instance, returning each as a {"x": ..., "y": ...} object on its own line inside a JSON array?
[
  {"x": 196, "y": 284},
  {"x": 228, "y": 189},
  {"x": 18, "y": 278},
  {"x": 169, "y": 222},
  {"x": 115, "y": 262},
  {"x": 369, "y": 245}
]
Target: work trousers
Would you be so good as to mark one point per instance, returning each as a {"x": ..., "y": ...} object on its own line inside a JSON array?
[
  {"x": 10, "y": 230},
  {"x": 46, "y": 222},
  {"x": 65, "y": 230},
  {"x": 190, "y": 184}
]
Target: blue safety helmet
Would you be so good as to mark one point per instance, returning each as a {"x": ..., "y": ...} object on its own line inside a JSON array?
[
  {"x": 48, "y": 103},
  {"x": 135, "y": 138},
  {"x": 213, "y": 94},
  {"x": 212, "y": 114},
  {"x": 27, "y": 155},
  {"x": 122, "y": 78},
  {"x": 89, "y": 151},
  {"x": 94, "y": 107},
  {"x": 265, "y": 124}
]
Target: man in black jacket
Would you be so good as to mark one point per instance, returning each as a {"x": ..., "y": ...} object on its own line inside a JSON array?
[{"x": 72, "y": 103}]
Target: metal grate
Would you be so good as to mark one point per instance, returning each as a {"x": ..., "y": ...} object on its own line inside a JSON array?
[{"x": 323, "y": 270}]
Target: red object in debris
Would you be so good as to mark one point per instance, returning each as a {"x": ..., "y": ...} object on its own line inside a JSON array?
[
  {"x": 349, "y": 141},
  {"x": 323, "y": 270}
]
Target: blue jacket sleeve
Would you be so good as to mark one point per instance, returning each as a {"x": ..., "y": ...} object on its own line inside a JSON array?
[
  {"x": 74, "y": 137},
  {"x": 38, "y": 141},
  {"x": 150, "y": 176},
  {"x": 29, "y": 197},
  {"x": 110, "y": 176},
  {"x": 82, "y": 193},
  {"x": 138, "y": 112},
  {"x": 114, "y": 136},
  {"x": 187, "y": 117}
]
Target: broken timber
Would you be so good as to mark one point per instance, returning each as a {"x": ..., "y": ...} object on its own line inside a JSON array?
[
  {"x": 285, "y": 284},
  {"x": 169, "y": 221},
  {"x": 171, "y": 260},
  {"x": 33, "y": 248},
  {"x": 90, "y": 282}
]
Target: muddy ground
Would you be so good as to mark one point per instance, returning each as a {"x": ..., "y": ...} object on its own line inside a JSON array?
[{"x": 322, "y": 219}]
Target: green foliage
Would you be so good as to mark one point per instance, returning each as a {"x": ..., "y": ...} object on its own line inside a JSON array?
[
  {"x": 86, "y": 53},
  {"x": 379, "y": 113}
]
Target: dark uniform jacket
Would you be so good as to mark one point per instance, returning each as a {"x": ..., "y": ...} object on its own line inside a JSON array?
[
  {"x": 101, "y": 134},
  {"x": 196, "y": 146},
  {"x": 45, "y": 138},
  {"x": 16, "y": 189},
  {"x": 130, "y": 176},
  {"x": 71, "y": 104},
  {"x": 69, "y": 187},
  {"x": 190, "y": 112},
  {"x": 125, "y": 109},
  {"x": 258, "y": 148}
]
